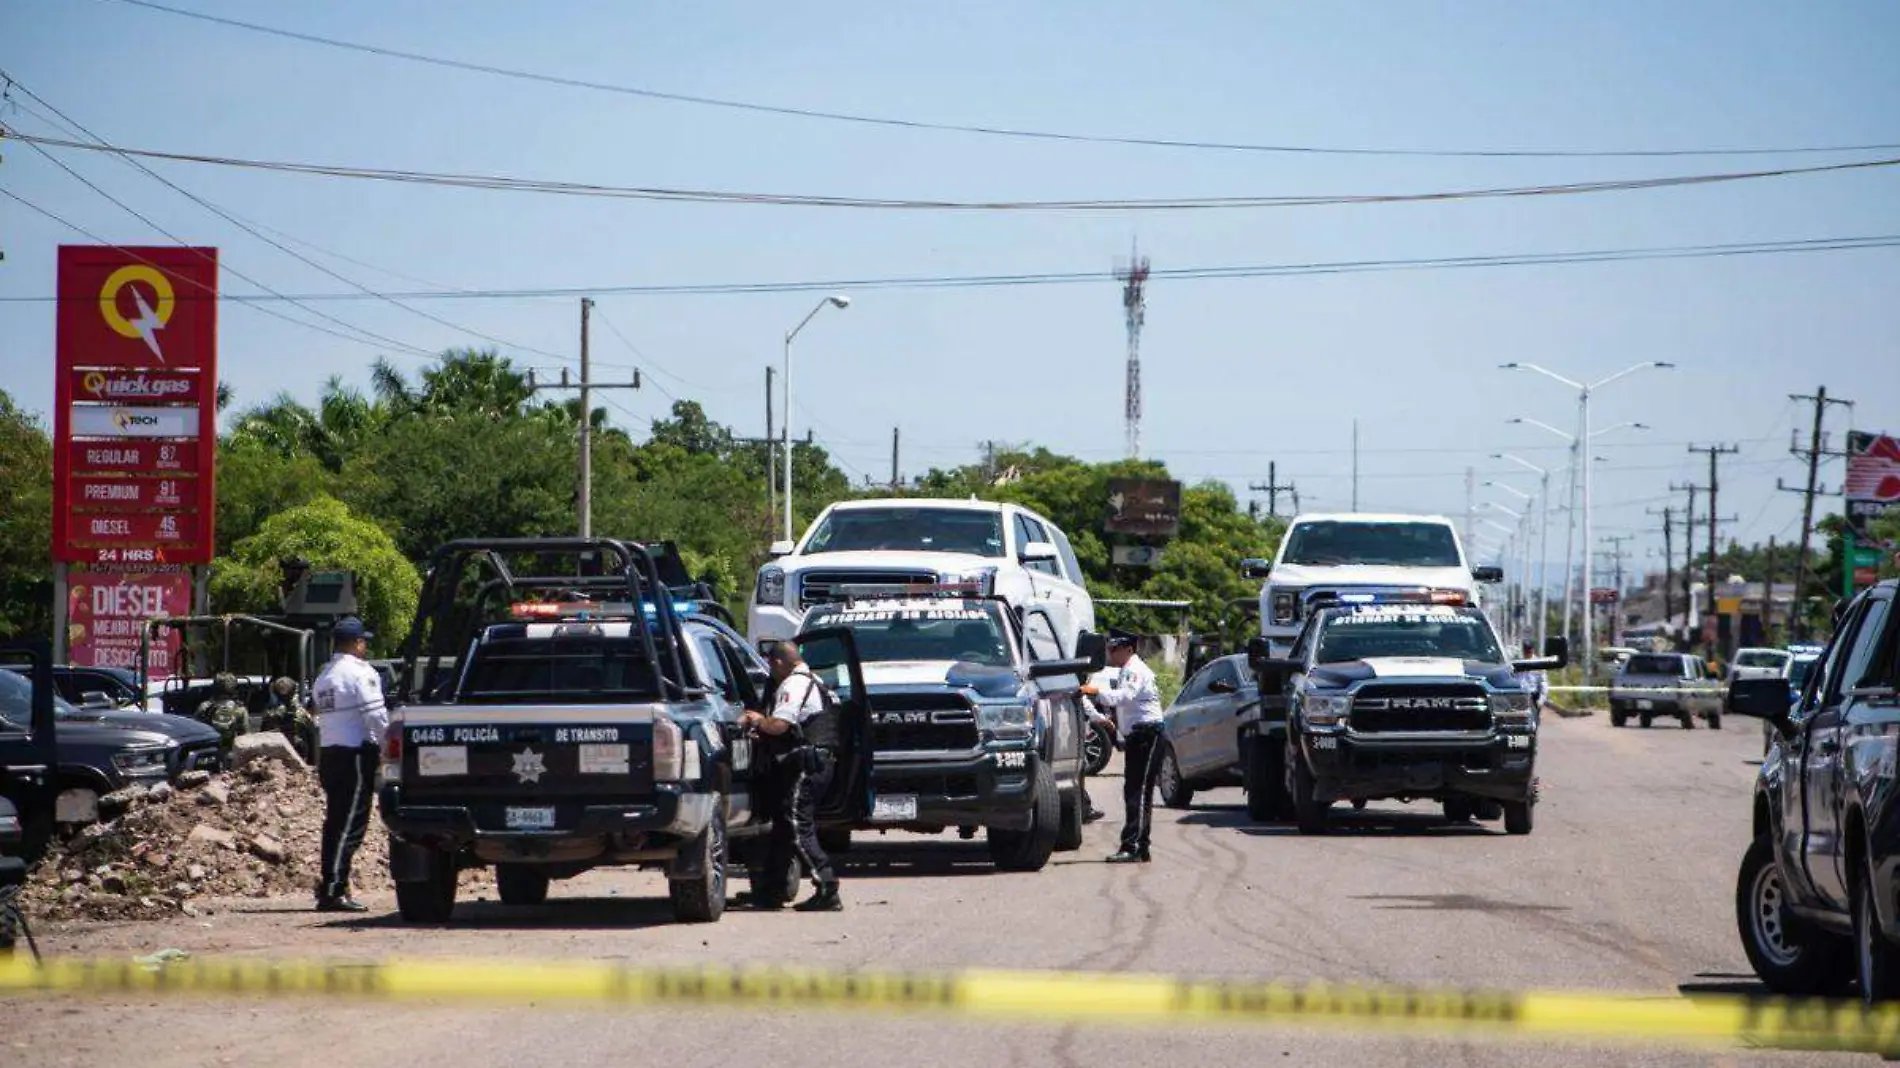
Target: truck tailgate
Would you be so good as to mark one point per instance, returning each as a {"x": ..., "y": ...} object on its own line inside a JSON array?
[{"x": 511, "y": 752}]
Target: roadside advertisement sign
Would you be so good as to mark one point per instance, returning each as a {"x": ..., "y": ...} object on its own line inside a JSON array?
[
  {"x": 1873, "y": 479},
  {"x": 1604, "y": 595},
  {"x": 106, "y": 608},
  {"x": 135, "y": 413},
  {"x": 1149, "y": 507}
]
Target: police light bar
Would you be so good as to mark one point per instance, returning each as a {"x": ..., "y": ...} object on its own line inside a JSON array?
[
  {"x": 1451, "y": 598},
  {"x": 881, "y": 591},
  {"x": 592, "y": 609}
]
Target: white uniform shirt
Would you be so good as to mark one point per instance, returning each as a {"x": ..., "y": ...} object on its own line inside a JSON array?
[
  {"x": 1132, "y": 694},
  {"x": 349, "y": 700},
  {"x": 800, "y": 697}
]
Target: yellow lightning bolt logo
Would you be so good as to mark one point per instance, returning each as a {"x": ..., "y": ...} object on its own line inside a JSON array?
[{"x": 150, "y": 319}]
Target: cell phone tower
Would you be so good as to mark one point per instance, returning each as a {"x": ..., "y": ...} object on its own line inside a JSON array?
[{"x": 1134, "y": 278}]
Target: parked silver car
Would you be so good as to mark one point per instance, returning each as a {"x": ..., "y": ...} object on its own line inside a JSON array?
[
  {"x": 1677, "y": 685},
  {"x": 1203, "y": 730}
]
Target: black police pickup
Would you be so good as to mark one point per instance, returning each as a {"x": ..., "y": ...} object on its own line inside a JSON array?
[
  {"x": 976, "y": 721},
  {"x": 1409, "y": 702},
  {"x": 590, "y": 720},
  {"x": 1817, "y": 899},
  {"x": 27, "y": 761}
]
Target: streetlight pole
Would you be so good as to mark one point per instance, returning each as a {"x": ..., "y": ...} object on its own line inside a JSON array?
[
  {"x": 1543, "y": 548},
  {"x": 836, "y": 301},
  {"x": 1584, "y": 390},
  {"x": 1513, "y": 553},
  {"x": 1524, "y": 549}
]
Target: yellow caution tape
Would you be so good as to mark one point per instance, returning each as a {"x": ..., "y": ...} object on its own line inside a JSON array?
[{"x": 1041, "y": 997}]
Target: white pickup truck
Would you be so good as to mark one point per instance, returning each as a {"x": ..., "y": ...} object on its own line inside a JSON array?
[{"x": 1351, "y": 557}]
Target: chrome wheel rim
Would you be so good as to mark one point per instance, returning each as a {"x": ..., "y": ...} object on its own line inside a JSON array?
[{"x": 1771, "y": 930}]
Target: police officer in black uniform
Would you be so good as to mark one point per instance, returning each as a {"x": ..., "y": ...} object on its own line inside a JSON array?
[{"x": 802, "y": 729}]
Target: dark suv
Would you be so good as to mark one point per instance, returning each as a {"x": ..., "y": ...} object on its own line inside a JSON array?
[{"x": 1818, "y": 896}]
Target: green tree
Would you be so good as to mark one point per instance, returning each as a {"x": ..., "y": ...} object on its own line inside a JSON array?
[
  {"x": 329, "y": 536},
  {"x": 256, "y": 481},
  {"x": 26, "y": 523}
]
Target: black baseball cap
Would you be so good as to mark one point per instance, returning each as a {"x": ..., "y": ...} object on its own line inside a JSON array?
[{"x": 1118, "y": 636}]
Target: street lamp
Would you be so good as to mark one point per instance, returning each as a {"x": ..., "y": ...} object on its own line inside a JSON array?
[
  {"x": 836, "y": 300},
  {"x": 1543, "y": 547},
  {"x": 1584, "y": 390}
]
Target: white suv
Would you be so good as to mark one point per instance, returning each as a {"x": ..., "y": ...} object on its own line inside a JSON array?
[
  {"x": 1022, "y": 557},
  {"x": 1330, "y": 559}
]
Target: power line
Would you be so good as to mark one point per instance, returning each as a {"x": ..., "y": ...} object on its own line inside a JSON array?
[
  {"x": 918, "y": 282},
  {"x": 804, "y": 200},
  {"x": 254, "y": 232},
  {"x": 982, "y": 130}
]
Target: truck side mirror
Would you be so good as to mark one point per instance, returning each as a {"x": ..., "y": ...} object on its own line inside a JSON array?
[
  {"x": 1557, "y": 647},
  {"x": 1254, "y": 567},
  {"x": 780, "y": 548},
  {"x": 1093, "y": 648},
  {"x": 1488, "y": 574}
]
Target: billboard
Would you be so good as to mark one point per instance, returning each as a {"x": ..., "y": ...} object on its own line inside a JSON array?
[
  {"x": 106, "y": 608},
  {"x": 135, "y": 409},
  {"x": 1873, "y": 479},
  {"x": 1150, "y": 507}
]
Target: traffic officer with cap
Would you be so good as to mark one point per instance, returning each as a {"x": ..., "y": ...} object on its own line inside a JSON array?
[
  {"x": 804, "y": 724},
  {"x": 1131, "y": 694},
  {"x": 351, "y": 719}
]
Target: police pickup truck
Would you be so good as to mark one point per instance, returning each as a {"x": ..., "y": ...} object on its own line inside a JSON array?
[
  {"x": 586, "y": 719},
  {"x": 977, "y": 719},
  {"x": 1407, "y": 701}
]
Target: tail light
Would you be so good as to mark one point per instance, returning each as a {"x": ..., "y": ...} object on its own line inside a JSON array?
[
  {"x": 392, "y": 750},
  {"x": 668, "y": 765}
]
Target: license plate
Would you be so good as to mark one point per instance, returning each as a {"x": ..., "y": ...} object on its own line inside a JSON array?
[
  {"x": 894, "y": 808},
  {"x": 442, "y": 760},
  {"x": 530, "y": 819},
  {"x": 1645, "y": 703}
]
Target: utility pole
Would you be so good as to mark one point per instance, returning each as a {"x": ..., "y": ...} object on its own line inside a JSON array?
[
  {"x": 1812, "y": 455},
  {"x": 1768, "y": 596},
  {"x": 1715, "y": 453},
  {"x": 771, "y": 453},
  {"x": 1471, "y": 499},
  {"x": 1616, "y": 556},
  {"x": 584, "y": 496},
  {"x": 1688, "y": 554},
  {"x": 894, "y": 432},
  {"x": 1669, "y": 562},
  {"x": 1272, "y": 488},
  {"x": 1355, "y": 465}
]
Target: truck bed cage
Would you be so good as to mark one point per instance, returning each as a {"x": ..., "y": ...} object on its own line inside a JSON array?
[{"x": 446, "y": 626}]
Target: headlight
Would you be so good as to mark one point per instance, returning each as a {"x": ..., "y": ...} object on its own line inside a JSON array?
[
  {"x": 1513, "y": 709},
  {"x": 771, "y": 588},
  {"x": 1286, "y": 606},
  {"x": 1324, "y": 711},
  {"x": 1009, "y": 717},
  {"x": 983, "y": 578},
  {"x": 146, "y": 761}
]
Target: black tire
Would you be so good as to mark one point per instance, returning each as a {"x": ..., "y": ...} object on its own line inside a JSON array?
[
  {"x": 1069, "y": 826},
  {"x": 1790, "y": 956},
  {"x": 1618, "y": 717},
  {"x": 1459, "y": 810},
  {"x": 1687, "y": 721},
  {"x": 1877, "y": 961},
  {"x": 1488, "y": 810},
  {"x": 1029, "y": 850},
  {"x": 702, "y": 898},
  {"x": 1518, "y": 816},
  {"x": 834, "y": 840},
  {"x": 769, "y": 889},
  {"x": 1098, "y": 747},
  {"x": 1267, "y": 798},
  {"x": 1309, "y": 813},
  {"x": 1644, "y": 720},
  {"x": 1715, "y": 721},
  {"x": 1174, "y": 790},
  {"x": 430, "y": 899},
  {"x": 521, "y": 884}
]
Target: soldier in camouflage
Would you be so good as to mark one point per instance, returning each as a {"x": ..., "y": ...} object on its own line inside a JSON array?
[
  {"x": 288, "y": 716},
  {"x": 223, "y": 711}
]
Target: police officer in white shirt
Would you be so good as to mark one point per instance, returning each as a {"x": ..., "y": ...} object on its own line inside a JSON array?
[
  {"x": 804, "y": 724},
  {"x": 1132, "y": 695},
  {"x": 351, "y": 718}
]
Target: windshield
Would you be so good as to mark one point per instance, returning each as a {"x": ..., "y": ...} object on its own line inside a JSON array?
[
  {"x": 1328, "y": 542},
  {"x": 1798, "y": 672},
  {"x": 579, "y": 669},
  {"x": 1463, "y": 634},
  {"x": 16, "y": 700},
  {"x": 1653, "y": 665},
  {"x": 936, "y": 530},
  {"x": 1767, "y": 658},
  {"x": 972, "y": 633}
]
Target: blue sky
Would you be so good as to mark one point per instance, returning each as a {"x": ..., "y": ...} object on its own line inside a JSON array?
[{"x": 1238, "y": 372}]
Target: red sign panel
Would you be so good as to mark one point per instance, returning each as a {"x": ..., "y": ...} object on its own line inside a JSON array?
[
  {"x": 1604, "y": 595},
  {"x": 135, "y": 387},
  {"x": 129, "y": 494},
  {"x": 177, "y": 531},
  {"x": 137, "y": 361},
  {"x": 150, "y": 457},
  {"x": 105, "y": 612}
]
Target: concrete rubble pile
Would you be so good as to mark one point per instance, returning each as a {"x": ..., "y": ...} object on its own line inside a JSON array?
[{"x": 174, "y": 848}]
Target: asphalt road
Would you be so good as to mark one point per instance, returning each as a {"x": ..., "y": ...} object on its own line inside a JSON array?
[{"x": 1626, "y": 885}]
